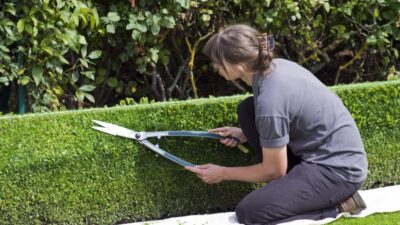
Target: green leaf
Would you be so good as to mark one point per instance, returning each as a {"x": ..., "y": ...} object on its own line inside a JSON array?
[
  {"x": 89, "y": 97},
  {"x": 141, "y": 27},
  {"x": 21, "y": 71},
  {"x": 327, "y": 6},
  {"x": 113, "y": 16},
  {"x": 110, "y": 28},
  {"x": 75, "y": 19},
  {"x": 372, "y": 40},
  {"x": 112, "y": 82},
  {"x": 5, "y": 79},
  {"x": 184, "y": 3},
  {"x": 164, "y": 56},
  {"x": 84, "y": 51},
  {"x": 74, "y": 77},
  {"x": 28, "y": 28},
  {"x": 48, "y": 50},
  {"x": 141, "y": 68},
  {"x": 164, "y": 11},
  {"x": 84, "y": 20},
  {"x": 37, "y": 73},
  {"x": 10, "y": 9},
  {"x": 92, "y": 22},
  {"x": 348, "y": 11},
  {"x": 95, "y": 54},
  {"x": 24, "y": 80},
  {"x": 156, "y": 19},
  {"x": 376, "y": 12},
  {"x": 87, "y": 88},
  {"x": 154, "y": 54},
  {"x": 89, "y": 74},
  {"x": 4, "y": 48},
  {"x": 35, "y": 32},
  {"x": 63, "y": 60},
  {"x": 35, "y": 21},
  {"x": 205, "y": 17},
  {"x": 58, "y": 90},
  {"x": 80, "y": 95},
  {"x": 168, "y": 22},
  {"x": 155, "y": 29},
  {"x": 135, "y": 35},
  {"x": 96, "y": 16},
  {"x": 130, "y": 26},
  {"x": 82, "y": 40},
  {"x": 84, "y": 63},
  {"x": 71, "y": 36},
  {"x": 20, "y": 25},
  {"x": 34, "y": 10},
  {"x": 396, "y": 53},
  {"x": 60, "y": 4}
]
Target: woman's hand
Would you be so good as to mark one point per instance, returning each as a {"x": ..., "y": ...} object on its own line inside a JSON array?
[
  {"x": 230, "y": 131},
  {"x": 209, "y": 173}
]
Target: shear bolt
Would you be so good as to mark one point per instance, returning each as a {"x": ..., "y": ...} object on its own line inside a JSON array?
[{"x": 137, "y": 136}]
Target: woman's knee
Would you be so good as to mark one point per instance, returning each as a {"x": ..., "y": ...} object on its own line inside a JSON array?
[
  {"x": 248, "y": 212},
  {"x": 243, "y": 213}
]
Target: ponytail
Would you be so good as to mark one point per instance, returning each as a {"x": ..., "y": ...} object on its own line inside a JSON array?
[{"x": 265, "y": 55}]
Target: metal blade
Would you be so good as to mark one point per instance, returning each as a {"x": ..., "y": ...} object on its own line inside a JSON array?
[
  {"x": 114, "y": 129},
  {"x": 105, "y": 130}
]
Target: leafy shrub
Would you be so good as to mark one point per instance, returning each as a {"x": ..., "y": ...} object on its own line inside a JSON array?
[
  {"x": 84, "y": 53},
  {"x": 55, "y": 169}
]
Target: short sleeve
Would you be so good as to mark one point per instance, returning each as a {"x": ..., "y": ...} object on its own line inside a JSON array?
[{"x": 273, "y": 131}]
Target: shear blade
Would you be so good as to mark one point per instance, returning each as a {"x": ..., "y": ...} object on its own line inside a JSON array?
[
  {"x": 114, "y": 129},
  {"x": 105, "y": 130}
]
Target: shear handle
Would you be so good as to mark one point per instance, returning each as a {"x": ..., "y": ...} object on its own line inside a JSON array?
[
  {"x": 166, "y": 154},
  {"x": 184, "y": 134}
]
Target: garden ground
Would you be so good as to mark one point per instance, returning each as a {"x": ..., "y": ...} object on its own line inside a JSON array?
[{"x": 384, "y": 203}]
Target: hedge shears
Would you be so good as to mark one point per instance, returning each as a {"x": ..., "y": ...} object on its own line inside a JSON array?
[{"x": 142, "y": 137}]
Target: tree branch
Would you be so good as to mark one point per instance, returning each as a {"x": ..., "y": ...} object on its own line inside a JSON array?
[{"x": 349, "y": 63}]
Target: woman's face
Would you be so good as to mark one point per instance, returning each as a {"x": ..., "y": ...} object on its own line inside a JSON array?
[
  {"x": 234, "y": 72},
  {"x": 230, "y": 72}
]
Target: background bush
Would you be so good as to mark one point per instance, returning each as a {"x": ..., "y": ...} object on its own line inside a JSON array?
[
  {"x": 55, "y": 169},
  {"x": 85, "y": 53}
]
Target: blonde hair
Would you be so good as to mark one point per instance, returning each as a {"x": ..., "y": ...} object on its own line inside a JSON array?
[{"x": 238, "y": 44}]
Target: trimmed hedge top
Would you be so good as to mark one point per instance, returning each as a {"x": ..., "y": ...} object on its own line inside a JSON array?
[{"x": 55, "y": 169}]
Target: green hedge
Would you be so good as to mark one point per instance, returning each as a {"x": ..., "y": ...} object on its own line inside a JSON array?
[
  {"x": 375, "y": 107},
  {"x": 54, "y": 169}
]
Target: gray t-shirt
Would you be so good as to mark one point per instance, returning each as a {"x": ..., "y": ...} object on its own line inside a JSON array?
[{"x": 294, "y": 108}]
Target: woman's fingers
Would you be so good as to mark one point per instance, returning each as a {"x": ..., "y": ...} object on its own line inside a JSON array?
[
  {"x": 223, "y": 131},
  {"x": 231, "y": 133},
  {"x": 205, "y": 166},
  {"x": 229, "y": 142},
  {"x": 218, "y": 129},
  {"x": 193, "y": 169},
  {"x": 232, "y": 142}
]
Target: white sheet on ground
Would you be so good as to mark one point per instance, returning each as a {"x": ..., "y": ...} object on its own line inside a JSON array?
[{"x": 379, "y": 200}]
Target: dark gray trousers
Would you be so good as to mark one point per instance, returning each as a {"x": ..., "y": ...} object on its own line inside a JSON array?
[{"x": 307, "y": 191}]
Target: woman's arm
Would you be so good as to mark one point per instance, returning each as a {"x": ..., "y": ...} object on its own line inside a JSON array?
[{"x": 274, "y": 165}]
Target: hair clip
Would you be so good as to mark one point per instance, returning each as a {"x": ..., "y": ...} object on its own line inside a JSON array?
[
  {"x": 262, "y": 40},
  {"x": 270, "y": 43}
]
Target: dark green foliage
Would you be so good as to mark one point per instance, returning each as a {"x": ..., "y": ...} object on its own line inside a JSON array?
[
  {"x": 54, "y": 169},
  {"x": 86, "y": 53}
]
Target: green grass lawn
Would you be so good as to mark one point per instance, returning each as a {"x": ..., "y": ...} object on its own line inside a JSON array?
[{"x": 376, "y": 219}]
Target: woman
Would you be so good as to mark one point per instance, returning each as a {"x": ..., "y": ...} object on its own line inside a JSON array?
[{"x": 310, "y": 150}]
